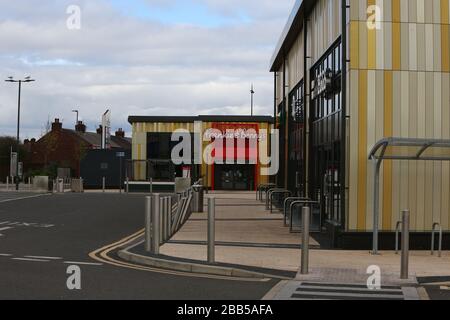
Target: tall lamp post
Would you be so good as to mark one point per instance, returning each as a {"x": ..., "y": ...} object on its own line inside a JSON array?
[
  {"x": 252, "y": 92},
  {"x": 25, "y": 80}
]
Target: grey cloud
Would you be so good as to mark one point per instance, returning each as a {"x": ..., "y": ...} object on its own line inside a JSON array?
[{"x": 133, "y": 66}]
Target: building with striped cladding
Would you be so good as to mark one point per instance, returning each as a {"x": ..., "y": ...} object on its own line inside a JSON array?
[{"x": 343, "y": 81}]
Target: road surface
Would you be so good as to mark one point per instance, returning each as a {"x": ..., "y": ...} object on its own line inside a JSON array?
[{"x": 40, "y": 237}]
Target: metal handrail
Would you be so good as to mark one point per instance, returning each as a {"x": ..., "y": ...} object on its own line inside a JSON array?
[
  {"x": 281, "y": 191},
  {"x": 435, "y": 225},
  {"x": 397, "y": 234},
  {"x": 296, "y": 203},
  {"x": 286, "y": 203}
]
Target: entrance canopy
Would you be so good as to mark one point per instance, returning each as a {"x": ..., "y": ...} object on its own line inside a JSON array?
[
  {"x": 411, "y": 149},
  {"x": 402, "y": 149}
]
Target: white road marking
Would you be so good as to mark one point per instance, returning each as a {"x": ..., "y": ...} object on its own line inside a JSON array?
[
  {"x": 5, "y": 255},
  {"x": 45, "y": 258},
  {"x": 31, "y": 260},
  {"x": 5, "y": 228},
  {"x": 4, "y": 222},
  {"x": 83, "y": 263},
  {"x": 23, "y": 198}
]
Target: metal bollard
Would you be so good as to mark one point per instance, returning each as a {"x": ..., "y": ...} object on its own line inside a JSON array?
[
  {"x": 306, "y": 212},
  {"x": 405, "y": 246},
  {"x": 161, "y": 219},
  {"x": 156, "y": 224},
  {"x": 148, "y": 224},
  {"x": 151, "y": 185},
  {"x": 211, "y": 230},
  {"x": 128, "y": 185},
  {"x": 104, "y": 184},
  {"x": 7, "y": 183}
]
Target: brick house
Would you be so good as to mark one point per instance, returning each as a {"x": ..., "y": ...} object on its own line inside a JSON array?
[{"x": 66, "y": 148}]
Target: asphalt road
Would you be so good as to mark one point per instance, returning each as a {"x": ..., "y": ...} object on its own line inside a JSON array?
[{"x": 41, "y": 237}]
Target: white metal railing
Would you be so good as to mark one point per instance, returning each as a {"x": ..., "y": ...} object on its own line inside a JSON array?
[{"x": 164, "y": 217}]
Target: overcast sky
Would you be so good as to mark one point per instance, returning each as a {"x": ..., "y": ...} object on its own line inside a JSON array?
[{"x": 136, "y": 57}]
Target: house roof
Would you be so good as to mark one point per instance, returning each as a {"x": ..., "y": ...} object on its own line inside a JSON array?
[{"x": 95, "y": 140}]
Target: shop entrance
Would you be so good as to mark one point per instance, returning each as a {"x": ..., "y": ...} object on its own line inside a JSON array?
[{"x": 234, "y": 177}]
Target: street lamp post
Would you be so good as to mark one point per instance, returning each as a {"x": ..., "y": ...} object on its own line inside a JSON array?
[
  {"x": 252, "y": 92},
  {"x": 26, "y": 80}
]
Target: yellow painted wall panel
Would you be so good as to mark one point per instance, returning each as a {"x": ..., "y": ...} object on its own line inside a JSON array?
[
  {"x": 371, "y": 49},
  {"x": 445, "y": 48},
  {"x": 396, "y": 10},
  {"x": 387, "y": 171},
  {"x": 354, "y": 45},
  {"x": 354, "y": 150},
  {"x": 372, "y": 95},
  {"x": 397, "y": 186},
  {"x": 412, "y": 132},
  {"x": 396, "y": 46},
  {"x": 421, "y": 168},
  {"x": 445, "y": 11},
  {"x": 362, "y": 149}
]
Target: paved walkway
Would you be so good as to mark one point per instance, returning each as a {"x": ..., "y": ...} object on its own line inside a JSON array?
[
  {"x": 249, "y": 235},
  {"x": 245, "y": 233}
]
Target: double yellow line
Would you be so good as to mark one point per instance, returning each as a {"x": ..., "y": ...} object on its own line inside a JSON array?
[{"x": 102, "y": 255}]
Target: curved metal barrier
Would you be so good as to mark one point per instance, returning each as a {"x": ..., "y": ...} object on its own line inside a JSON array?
[
  {"x": 304, "y": 203},
  {"x": 262, "y": 188},
  {"x": 275, "y": 192},
  {"x": 285, "y": 207}
]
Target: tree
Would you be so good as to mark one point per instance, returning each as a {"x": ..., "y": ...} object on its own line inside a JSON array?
[{"x": 6, "y": 144}]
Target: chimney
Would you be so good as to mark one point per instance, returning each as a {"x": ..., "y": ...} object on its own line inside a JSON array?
[
  {"x": 80, "y": 127},
  {"x": 56, "y": 126},
  {"x": 100, "y": 129},
  {"x": 33, "y": 141},
  {"x": 120, "y": 133}
]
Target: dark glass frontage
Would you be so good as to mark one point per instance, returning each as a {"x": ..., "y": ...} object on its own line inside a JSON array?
[
  {"x": 326, "y": 136},
  {"x": 297, "y": 141},
  {"x": 159, "y": 153},
  {"x": 281, "y": 126},
  {"x": 234, "y": 177}
]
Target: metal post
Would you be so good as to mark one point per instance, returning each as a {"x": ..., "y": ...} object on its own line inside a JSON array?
[
  {"x": 306, "y": 212},
  {"x": 18, "y": 137},
  {"x": 120, "y": 174},
  {"x": 104, "y": 184},
  {"x": 7, "y": 183},
  {"x": 162, "y": 209},
  {"x": 155, "y": 224},
  {"x": 405, "y": 245},
  {"x": 128, "y": 185},
  {"x": 376, "y": 206},
  {"x": 169, "y": 218},
  {"x": 151, "y": 185},
  {"x": 211, "y": 230},
  {"x": 166, "y": 218},
  {"x": 148, "y": 224}
]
